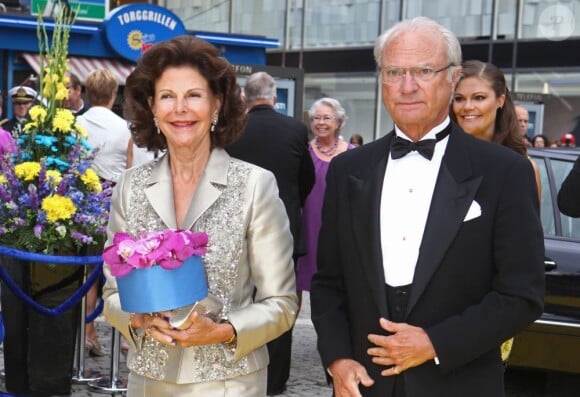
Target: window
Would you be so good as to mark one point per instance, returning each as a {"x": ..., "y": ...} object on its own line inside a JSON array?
[
  {"x": 570, "y": 226},
  {"x": 468, "y": 18},
  {"x": 547, "y": 204},
  {"x": 541, "y": 19}
]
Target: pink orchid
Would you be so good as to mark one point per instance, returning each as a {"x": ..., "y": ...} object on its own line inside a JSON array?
[
  {"x": 118, "y": 265},
  {"x": 168, "y": 249},
  {"x": 199, "y": 243}
]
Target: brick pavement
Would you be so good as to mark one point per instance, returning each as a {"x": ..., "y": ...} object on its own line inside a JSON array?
[{"x": 306, "y": 374}]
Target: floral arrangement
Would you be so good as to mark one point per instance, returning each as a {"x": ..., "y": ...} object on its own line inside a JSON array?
[
  {"x": 51, "y": 201},
  {"x": 167, "y": 248}
]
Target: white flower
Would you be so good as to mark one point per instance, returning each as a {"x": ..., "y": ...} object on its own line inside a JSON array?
[{"x": 61, "y": 230}]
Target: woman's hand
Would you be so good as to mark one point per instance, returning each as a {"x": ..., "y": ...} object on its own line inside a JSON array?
[
  {"x": 153, "y": 325},
  {"x": 201, "y": 330}
]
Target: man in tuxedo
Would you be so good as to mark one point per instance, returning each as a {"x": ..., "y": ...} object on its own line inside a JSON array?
[
  {"x": 431, "y": 248},
  {"x": 569, "y": 193},
  {"x": 280, "y": 144}
]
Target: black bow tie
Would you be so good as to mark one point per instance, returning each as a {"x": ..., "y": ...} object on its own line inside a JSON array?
[{"x": 426, "y": 147}]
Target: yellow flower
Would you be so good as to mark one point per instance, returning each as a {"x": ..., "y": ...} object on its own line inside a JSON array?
[
  {"x": 27, "y": 171},
  {"x": 46, "y": 91},
  {"x": 82, "y": 131},
  {"x": 47, "y": 84},
  {"x": 54, "y": 177},
  {"x": 58, "y": 208},
  {"x": 46, "y": 74},
  {"x": 63, "y": 120},
  {"x": 91, "y": 180},
  {"x": 29, "y": 126},
  {"x": 3, "y": 179},
  {"x": 37, "y": 114},
  {"x": 61, "y": 92}
]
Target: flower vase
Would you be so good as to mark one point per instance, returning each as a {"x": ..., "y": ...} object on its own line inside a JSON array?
[
  {"x": 39, "y": 348},
  {"x": 155, "y": 289}
]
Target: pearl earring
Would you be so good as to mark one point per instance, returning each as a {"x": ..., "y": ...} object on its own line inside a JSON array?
[
  {"x": 156, "y": 125},
  {"x": 214, "y": 122}
]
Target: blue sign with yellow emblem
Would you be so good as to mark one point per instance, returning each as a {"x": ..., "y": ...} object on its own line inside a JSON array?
[{"x": 133, "y": 28}]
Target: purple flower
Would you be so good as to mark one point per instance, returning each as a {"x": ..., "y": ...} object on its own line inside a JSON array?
[{"x": 82, "y": 238}]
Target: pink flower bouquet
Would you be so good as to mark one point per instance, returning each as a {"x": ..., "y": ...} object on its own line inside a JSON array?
[
  {"x": 168, "y": 249},
  {"x": 159, "y": 270}
]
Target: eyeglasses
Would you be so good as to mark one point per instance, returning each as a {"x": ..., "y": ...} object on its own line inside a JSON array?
[
  {"x": 322, "y": 118},
  {"x": 394, "y": 75}
]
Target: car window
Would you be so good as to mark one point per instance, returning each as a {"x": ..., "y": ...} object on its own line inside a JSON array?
[
  {"x": 561, "y": 169},
  {"x": 547, "y": 204}
]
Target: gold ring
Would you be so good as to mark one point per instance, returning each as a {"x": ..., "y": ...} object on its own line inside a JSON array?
[{"x": 396, "y": 371}]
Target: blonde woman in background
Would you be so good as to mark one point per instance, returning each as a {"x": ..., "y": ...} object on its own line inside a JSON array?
[{"x": 108, "y": 133}]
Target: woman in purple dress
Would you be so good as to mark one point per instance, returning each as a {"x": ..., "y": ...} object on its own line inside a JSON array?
[
  {"x": 327, "y": 117},
  {"x": 6, "y": 140}
]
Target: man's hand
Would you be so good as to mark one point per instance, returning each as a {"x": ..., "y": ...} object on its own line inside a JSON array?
[
  {"x": 347, "y": 374},
  {"x": 407, "y": 347}
]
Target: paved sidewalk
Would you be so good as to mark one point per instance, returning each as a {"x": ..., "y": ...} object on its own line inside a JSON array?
[{"x": 306, "y": 375}]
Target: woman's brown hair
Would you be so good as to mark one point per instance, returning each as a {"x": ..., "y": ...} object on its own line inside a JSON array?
[
  {"x": 181, "y": 51},
  {"x": 506, "y": 130}
]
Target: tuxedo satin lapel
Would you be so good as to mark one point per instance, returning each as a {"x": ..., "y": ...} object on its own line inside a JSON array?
[
  {"x": 450, "y": 203},
  {"x": 209, "y": 187},
  {"x": 365, "y": 196},
  {"x": 159, "y": 192}
]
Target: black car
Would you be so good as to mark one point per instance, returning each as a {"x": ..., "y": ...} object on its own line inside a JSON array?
[{"x": 553, "y": 341}]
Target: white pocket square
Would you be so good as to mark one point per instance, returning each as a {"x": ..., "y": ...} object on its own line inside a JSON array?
[{"x": 473, "y": 212}]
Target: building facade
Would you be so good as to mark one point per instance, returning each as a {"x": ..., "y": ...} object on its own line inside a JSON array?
[
  {"x": 115, "y": 39},
  {"x": 535, "y": 42}
]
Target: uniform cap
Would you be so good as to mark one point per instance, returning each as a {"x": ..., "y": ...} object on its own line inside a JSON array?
[{"x": 22, "y": 94}]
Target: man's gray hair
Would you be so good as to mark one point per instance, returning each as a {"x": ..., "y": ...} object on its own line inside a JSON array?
[
  {"x": 260, "y": 85},
  {"x": 420, "y": 24}
]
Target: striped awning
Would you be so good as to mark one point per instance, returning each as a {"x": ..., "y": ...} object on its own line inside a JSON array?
[{"x": 82, "y": 66}]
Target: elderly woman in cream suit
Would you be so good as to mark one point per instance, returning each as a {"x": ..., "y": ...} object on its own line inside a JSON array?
[{"x": 183, "y": 98}]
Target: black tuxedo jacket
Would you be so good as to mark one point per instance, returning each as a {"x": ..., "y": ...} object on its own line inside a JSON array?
[
  {"x": 477, "y": 282},
  {"x": 279, "y": 144},
  {"x": 569, "y": 193}
]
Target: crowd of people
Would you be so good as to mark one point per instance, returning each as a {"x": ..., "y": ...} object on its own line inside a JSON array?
[{"x": 410, "y": 246}]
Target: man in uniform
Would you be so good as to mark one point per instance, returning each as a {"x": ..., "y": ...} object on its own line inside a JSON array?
[{"x": 23, "y": 98}]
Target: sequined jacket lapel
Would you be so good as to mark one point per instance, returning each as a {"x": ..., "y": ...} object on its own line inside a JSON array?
[{"x": 159, "y": 189}]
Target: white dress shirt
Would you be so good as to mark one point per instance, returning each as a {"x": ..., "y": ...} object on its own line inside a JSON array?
[
  {"x": 110, "y": 134},
  {"x": 405, "y": 201}
]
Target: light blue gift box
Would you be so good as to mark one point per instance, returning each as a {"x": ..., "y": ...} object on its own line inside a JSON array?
[{"x": 154, "y": 289}]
